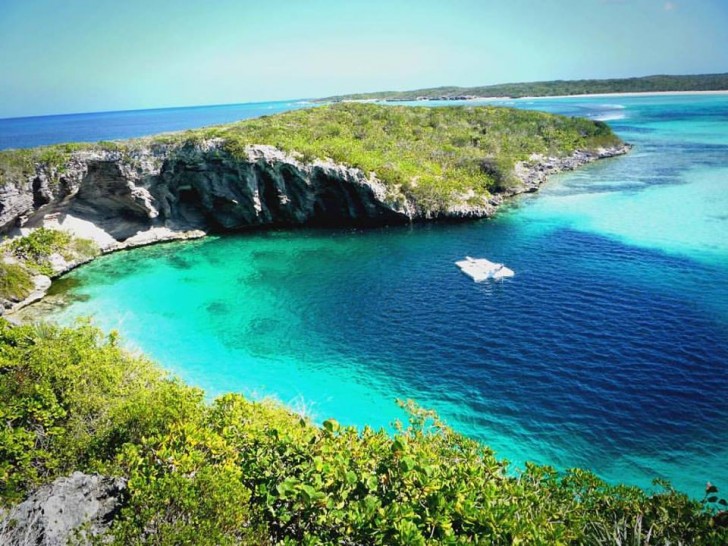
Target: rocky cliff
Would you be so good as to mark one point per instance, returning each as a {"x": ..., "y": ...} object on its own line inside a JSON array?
[
  {"x": 195, "y": 188},
  {"x": 162, "y": 192}
]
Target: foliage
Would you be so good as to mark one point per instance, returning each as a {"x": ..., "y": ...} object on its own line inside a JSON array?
[
  {"x": 18, "y": 165},
  {"x": 436, "y": 156},
  {"x": 185, "y": 488},
  {"x": 15, "y": 282},
  {"x": 69, "y": 397},
  {"x": 36, "y": 248},
  {"x": 38, "y": 245},
  {"x": 716, "y": 505},
  {"x": 646, "y": 84},
  {"x": 240, "y": 472}
]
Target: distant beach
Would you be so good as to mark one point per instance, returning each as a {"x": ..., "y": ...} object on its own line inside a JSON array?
[
  {"x": 539, "y": 97},
  {"x": 635, "y": 94}
]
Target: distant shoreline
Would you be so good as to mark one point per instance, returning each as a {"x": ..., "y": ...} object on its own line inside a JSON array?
[
  {"x": 625, "y": 94},
  {"x": 537, "y": 97},
  {"x": 655, "y": 84}
]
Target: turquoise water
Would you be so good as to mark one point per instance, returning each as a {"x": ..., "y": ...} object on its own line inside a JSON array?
[{"x": 607, "y": 350}]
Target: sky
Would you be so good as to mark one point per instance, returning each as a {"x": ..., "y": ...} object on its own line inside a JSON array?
[{"x": 70, "y": 56}]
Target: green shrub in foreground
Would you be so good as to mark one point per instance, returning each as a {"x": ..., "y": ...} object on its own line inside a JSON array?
[
  {"x": 240, "y": 472},
  {"x": 70, "y": 399}
]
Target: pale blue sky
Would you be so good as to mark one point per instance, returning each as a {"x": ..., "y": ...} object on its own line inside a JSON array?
[{"x": 62, "y": 56}]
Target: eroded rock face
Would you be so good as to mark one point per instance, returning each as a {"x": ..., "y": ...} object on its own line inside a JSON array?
[
  {"x": 199, "y": 187},
  {"x": 160, "y": 192},
  {"x": 16, "y": 201},
  {"x": 57, "y": 512},
  {"x": 207, "y": 188}
]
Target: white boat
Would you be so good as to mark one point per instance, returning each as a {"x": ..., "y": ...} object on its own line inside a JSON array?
[{"x": 480, "y": 269}]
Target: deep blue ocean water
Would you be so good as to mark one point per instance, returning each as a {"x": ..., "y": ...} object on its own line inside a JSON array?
[
  {"x": 95, "y": 126},
  {"x": 608, "y": 350}
]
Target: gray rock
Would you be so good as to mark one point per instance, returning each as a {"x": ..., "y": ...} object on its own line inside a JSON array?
[
  {"x": 16, "y": 201},
  {"x": 55, "y": 512},
  {"x": 204, "y": 187}
]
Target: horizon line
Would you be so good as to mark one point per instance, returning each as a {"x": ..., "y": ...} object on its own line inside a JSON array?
[{"x": 323, "y": 98}]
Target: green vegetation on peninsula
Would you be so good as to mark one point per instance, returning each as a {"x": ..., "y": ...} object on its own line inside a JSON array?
[
  {"x": 645, "y": 84},
  {"x": 429, "y": 153},
  {"x": 434, "y": 156},
  {"x": 233, "y": 471}
]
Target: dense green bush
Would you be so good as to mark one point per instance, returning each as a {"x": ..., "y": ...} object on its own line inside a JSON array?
[
  {"x": 185, "y": 488},
  {"x": 15, "y": 282},
  {"x": 240, "y": 472},
  {"x": 69, "y": 398},
  {"x": 36, "y": 248}
]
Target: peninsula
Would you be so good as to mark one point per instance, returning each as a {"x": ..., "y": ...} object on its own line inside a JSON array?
[{"x": 345, "y": 164}]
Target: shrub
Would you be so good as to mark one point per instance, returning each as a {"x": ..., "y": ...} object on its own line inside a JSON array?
[
  {"x": 37, "y": 247},
  {"x": 70, "y": 398},
  {"x": 235, "y": 471},
  {"x": 15, "y": 282},
  {"x": 185, "y": 488}
]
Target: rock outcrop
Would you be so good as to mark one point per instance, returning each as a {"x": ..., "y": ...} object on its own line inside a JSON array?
[
  {"x": 76, "y": 507},
  {"x": 163, "y": 191},
  {"x": 196, "y": 188}
]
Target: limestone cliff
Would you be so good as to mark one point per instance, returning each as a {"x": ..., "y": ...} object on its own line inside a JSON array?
[
  {"x": 201, "y": 187},
  {"x": 159, "y": 192}
]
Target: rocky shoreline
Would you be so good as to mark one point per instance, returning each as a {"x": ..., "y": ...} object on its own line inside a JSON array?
[{"x": 159, "y": 194}]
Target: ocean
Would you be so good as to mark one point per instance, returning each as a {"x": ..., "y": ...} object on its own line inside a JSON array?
[
  {"x": 93, "y": 127},
  {"x": 608, "y": 350}
]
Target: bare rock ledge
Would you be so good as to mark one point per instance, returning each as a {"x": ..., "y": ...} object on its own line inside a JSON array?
[{"x": 72, "y": 507}]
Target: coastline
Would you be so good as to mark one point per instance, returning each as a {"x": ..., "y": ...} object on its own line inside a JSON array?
[
  {"x": 531, "y": 173},
  {"x": 537, "y": 97},
  {"x": 627, "y": 94},
  {"x": 43, "y": 283}
]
